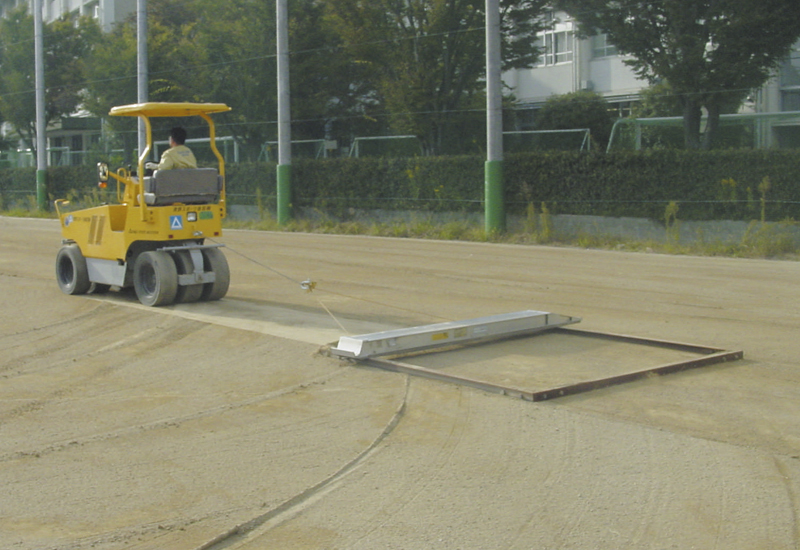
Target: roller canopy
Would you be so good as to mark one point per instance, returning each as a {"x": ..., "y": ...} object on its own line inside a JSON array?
[{"x": 169, "y": 109}]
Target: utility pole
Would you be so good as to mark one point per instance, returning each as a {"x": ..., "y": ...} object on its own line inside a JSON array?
[
  {"x": 495, "y": 214},
  {"x": 41, "y": 123},
  {"x": 284, "y": 170},
  {"x": 141, "y": 67}
]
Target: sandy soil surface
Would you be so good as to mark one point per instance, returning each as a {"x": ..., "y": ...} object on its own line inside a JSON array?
[{"x": 221, "y": 425}]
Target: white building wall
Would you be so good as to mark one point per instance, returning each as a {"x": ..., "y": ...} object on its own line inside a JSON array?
[
  {"x": 607, "y": 75},
  {"x": 789, "y": 82},
  {"x": 536, "y": 85},
  {"x": 107, "y": 12},
  {"x": 611, "y": 78}
]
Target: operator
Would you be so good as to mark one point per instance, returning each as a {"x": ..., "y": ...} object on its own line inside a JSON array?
[{"x": 178, "y": 155}]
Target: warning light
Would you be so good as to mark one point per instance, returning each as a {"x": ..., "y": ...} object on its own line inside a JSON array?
[{"x": 102, "y": 184}]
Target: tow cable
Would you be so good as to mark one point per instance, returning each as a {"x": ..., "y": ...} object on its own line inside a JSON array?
[{"x": 309, "y": 286}]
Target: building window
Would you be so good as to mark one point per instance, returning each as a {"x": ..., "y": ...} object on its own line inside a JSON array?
[
  {"x": 790, "y": 70},
  {"x": 601, "y": 47},
  {"x": 556, "y": 46},
  {"x": 790, "y": 100},
  {"x": 620, "y": 109}
]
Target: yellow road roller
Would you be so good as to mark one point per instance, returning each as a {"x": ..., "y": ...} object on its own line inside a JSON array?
[{"x": 154, "y": 238}]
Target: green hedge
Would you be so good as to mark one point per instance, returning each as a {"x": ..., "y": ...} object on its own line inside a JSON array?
[{"x": 706, "y": 185}]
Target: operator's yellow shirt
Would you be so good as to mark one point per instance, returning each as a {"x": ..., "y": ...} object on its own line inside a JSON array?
[{"x": 179, "y": 156}]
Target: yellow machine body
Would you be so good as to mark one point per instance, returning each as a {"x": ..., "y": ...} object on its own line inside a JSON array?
[
  {"x": 164, "y": 217},
  {"x": 108, "y": 231}
]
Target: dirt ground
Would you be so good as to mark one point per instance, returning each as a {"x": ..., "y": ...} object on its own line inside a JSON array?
[{"x": 221, "y": 425}]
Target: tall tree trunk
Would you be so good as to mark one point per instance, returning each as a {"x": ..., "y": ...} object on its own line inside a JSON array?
[
  {"x": 712, "y": 126},
  {"x": 692, "y": 115}
]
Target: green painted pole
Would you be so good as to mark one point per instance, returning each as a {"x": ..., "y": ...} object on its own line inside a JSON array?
[
  {"x": 284, "y": 116},
  {"x": 495, "y": 211},
  {"x": 41, "y": 191},
  {"x": 284, "y": 173},
  {"x": 41, "y": 125}
]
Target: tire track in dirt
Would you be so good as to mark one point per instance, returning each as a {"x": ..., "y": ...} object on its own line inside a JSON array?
[
  {"x": 68, "y": 351},
  {"x": 786, "y": 473},
  {"x": 652, "y": 496},
  {"x": 446, "y": 411},
  {"x": 165, "y": 423},
  {"x": 30, "y": 349},
  {"x": 442, "y": 458},
  {"x": 247, "y": 533},
  {"x": 564, "y": 454},
  {"x": 101, "y": 330},
  {"x": 52, "y": 360}
]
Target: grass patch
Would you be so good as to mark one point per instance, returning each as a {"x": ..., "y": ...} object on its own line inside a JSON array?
[
  {"x": 26, "y": 207},
  {"x": 773, "y": 241},
  {"x": 19, "y": 212}
]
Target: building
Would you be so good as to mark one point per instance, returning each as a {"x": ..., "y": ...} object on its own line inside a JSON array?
[
  {"x": 569, "y": 64},
  {"x": 107, "y": 12}
]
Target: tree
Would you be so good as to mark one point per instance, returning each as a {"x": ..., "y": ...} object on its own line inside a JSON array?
[
  {"x": 423, "y": 62},
  {"x": 67, "y": 45},
  {"x": 238, "y": 40},
  {"x": 658, "y": 100},
  {"x": 111, "y": 81},
  {"x": 225, "y": 52},
  {"x": 112, "y": 69},
  {"x": 577, "y": 110},
  {"x": 711, "y": 52}
]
